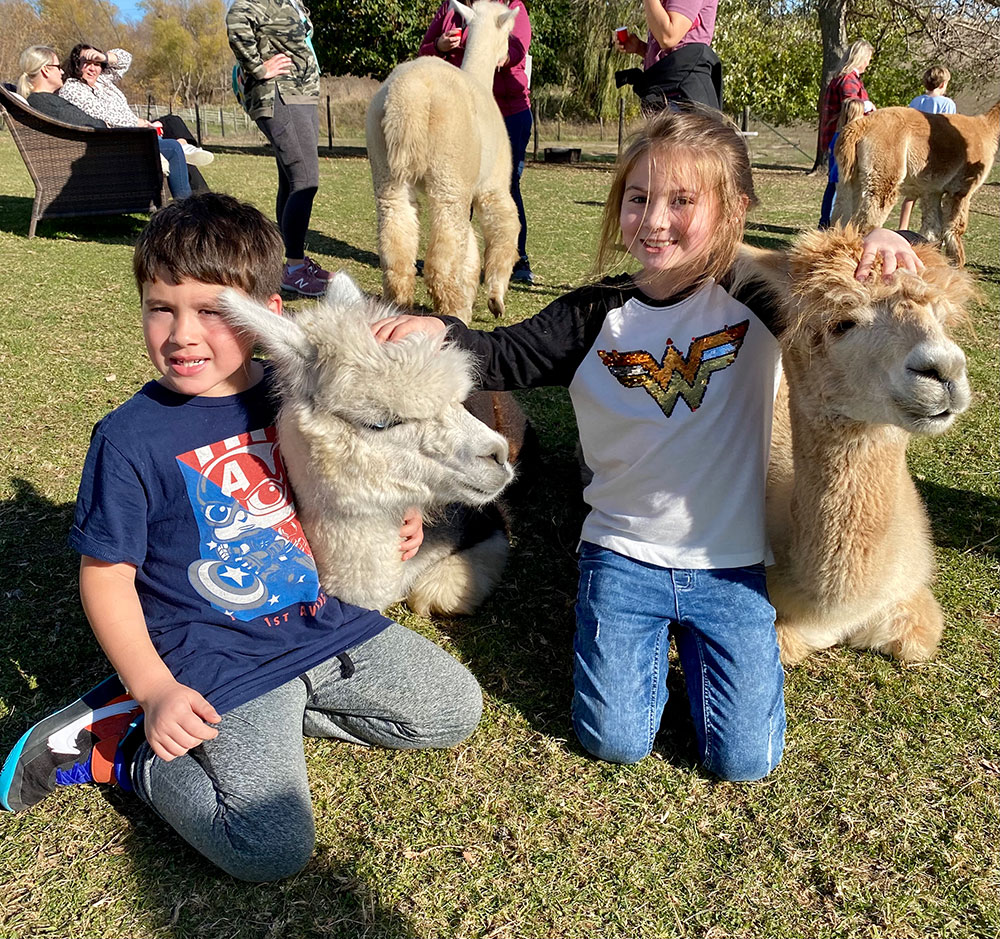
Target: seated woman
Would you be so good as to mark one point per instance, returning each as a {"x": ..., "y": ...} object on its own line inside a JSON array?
[
  {"x": 40, "y": 80},
  {"x": 90, "y": 84}
]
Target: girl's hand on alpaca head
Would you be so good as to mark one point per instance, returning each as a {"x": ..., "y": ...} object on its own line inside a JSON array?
[
  {"x": 411, "y": 533},
  {"x": 895, "y": 251},
  {"x": 394, "y": 328}
]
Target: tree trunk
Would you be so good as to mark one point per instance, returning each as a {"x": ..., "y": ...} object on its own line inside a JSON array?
[{"x": 833, "y": 33}]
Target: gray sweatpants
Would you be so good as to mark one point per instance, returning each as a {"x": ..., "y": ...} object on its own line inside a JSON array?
[{"x": 243, "y": 800}]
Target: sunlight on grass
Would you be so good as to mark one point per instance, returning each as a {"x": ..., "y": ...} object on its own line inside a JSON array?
[{"x": 880, "y": 821}]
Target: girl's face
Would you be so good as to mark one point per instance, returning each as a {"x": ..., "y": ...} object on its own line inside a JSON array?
[{"x": 667, "y": 222}]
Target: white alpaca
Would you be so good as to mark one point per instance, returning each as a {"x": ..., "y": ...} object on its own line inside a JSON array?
[
  {"x": 368, "y": 430},
  {"x": 866, "y": 365},
  {"x": 434, "y": 127}
]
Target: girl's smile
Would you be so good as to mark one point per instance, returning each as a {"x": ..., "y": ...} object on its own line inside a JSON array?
[{"x": 666, "y": 223}]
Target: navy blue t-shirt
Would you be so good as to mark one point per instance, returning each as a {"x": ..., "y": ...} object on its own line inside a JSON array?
[{"x": 192, "y": 491}]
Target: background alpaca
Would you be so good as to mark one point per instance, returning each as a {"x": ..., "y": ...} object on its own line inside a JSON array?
[
  {"x": 436, "y": 127},
  {"x": 866, "y": 365},
  {"x": 368, "y": 430},
  {"x": 940, "y": 159}
]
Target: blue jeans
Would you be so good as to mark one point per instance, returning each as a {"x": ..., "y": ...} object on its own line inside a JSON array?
[
  {"x": 519, "y": 132},
  {"x": 173, "y": 153},
  {"x": 723, "y": 624}
]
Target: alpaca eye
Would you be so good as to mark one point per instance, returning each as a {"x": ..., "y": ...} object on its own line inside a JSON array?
[
  {"x": 383, "y": 425},
  {"x": 838, "y": 329}
]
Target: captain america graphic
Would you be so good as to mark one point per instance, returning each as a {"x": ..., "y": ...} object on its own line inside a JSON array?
[{"x": 254, "y": 557}]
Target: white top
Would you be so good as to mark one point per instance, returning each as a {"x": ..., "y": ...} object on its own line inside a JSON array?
[{"x": 674, "y": 412}]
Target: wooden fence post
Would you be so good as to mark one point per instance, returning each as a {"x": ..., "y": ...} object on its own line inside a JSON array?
[
  {"x": 197, "y": 121},
  {"x": 329, "y": 125},
  {"x": 534, "y": 122},
  {"x": 621, "y": 124}
]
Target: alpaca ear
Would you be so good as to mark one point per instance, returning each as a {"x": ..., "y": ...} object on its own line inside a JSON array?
[
  {"x": 762, "y": 265},
  {"x": 342, "y": 291},
  {"x": 463, "y": 11},
  {"x": 509, "y": 16},
  {"x": 279, "y": 335}
]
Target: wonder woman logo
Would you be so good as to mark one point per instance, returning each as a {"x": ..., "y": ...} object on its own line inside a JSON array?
[{"x": 678, "y": 376}]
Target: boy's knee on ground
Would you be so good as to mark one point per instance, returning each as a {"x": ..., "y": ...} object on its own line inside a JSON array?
[
  {"x": 262, "y": 863},
  {"x": 610, "y": 745}
]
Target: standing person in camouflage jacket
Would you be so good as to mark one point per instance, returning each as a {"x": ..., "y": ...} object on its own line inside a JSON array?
[{"x": 272, "y": 41}]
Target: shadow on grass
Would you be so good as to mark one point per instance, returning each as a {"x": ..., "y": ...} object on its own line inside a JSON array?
[
  {"x": 47, "y": 653},
  {"x": 15, "y": 217},
  {"x": 964, "y": 520},
  {"x": 332, "y": 247},
  {"x": 326, "y": 899}
]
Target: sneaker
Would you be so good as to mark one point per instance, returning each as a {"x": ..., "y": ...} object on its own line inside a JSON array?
[
  {"x": 196, "y": 156},
  {"x": 320, "y": 272},
  {"x": 522, "y": 272},
  {"x": 84, "y": 742},
  {"x": 303, "y": 281}
]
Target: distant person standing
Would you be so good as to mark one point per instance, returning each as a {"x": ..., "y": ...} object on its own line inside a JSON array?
[
  {"x": 845, "y": 85},
  {"x": 445, "y": 37},
  {"x": 935, "y": 101},
  {"x": 679, "y": 66},
  {"x": 272, "y": 42}
]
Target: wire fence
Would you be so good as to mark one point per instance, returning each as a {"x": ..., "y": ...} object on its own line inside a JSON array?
[{"x": 230, "y": 125}]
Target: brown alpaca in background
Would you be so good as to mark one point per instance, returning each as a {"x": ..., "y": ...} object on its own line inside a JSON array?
[{"x": 940, "y": 159}]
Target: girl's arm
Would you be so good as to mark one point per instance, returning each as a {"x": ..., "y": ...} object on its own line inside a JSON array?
[
  {"x": 544, "y": 350},
  {"x": 177, "y": 718},
  {"x": 520, "y": 37}
]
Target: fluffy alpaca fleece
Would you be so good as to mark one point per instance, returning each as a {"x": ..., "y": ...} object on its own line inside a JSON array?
[
  {"x": 368, "y": 430},
  {"x": 434, "y": 127},
  {"x": 940, "y": 159},
  {"x": 866, "y": 365}
]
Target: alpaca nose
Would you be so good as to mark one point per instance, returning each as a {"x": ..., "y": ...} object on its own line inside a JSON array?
[{"x": 501, "y": 451}]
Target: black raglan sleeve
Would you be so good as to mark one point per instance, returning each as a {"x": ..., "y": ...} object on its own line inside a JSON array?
[{"x": 546, "y": 349}]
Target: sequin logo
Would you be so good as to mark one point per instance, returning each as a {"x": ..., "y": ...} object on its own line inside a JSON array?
[{"x": 678, "y": 376}]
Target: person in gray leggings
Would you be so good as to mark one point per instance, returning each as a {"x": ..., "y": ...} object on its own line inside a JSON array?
[{"x": 242, "y": 798}]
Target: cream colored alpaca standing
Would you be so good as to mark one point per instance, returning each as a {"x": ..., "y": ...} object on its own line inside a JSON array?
[
  {"x": 866, "y": 366},
  {"x": 940, "y": 159},
  {"x": 434, "y": 127},
  {"x": 368, "y": 430}
]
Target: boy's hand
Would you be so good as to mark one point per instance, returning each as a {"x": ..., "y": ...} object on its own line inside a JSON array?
[
  {"x": 394, "y": 328},
  {"x": 895, "y": 251},
  {"x": 177, "y": 719},
  {"x": 277, "y": 66},
  {"x": 411, "y": 534}
]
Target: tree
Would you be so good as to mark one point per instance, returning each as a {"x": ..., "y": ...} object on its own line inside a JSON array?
[
  {"x": 368, "y": 37},
  {"x": 22, "y": 27},
  {"x": 68, "y": 22}
]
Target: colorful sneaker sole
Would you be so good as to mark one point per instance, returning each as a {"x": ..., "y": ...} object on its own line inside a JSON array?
[{"x": 78, "y": 743}]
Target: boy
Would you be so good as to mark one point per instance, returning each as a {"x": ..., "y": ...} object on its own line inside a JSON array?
[
  {"x": 935, "y": 101},
  {"x": 200, "y": 586}
]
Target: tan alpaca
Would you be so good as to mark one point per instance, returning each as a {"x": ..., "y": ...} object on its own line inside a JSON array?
[
  {"x": 940, "y": 159},
  {"x": 866, "y": 365},
  {"x": 437, "y": 128}
]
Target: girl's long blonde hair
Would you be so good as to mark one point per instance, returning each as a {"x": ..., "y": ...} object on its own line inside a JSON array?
[
  {"x": 856, "y": 53},
  {"x": 33, "y": 60},
  {"x": 713, "y": 149}
]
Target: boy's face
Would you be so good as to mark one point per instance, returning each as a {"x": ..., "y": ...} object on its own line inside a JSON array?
[{"x": 190, "y": 342}]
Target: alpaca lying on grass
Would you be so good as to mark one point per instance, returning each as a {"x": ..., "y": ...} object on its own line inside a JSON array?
[
  {"x": 434, "y": 127},
  {"x": 940, "y": 159},
  {"x": 368, "y": 430},
  {"x": 866, "y": 365}
]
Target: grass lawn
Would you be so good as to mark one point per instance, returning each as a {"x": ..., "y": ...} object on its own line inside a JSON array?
[{"x": 881, "y": 821}]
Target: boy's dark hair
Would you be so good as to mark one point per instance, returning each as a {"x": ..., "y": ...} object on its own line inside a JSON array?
[
  {"x": 935, "y": 77},
  {"x": 215, "y": 239}
]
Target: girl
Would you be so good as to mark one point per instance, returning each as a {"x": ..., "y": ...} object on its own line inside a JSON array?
[
  {"x": 853, "y": 109},
  {"x": 672, "y": 378}
]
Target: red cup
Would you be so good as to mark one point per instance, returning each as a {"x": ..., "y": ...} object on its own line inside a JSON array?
[{"x": 621, "y": 34}]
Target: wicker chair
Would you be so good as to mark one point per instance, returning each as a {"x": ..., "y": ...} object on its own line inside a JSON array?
[{"x": 83, "y": 170}]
